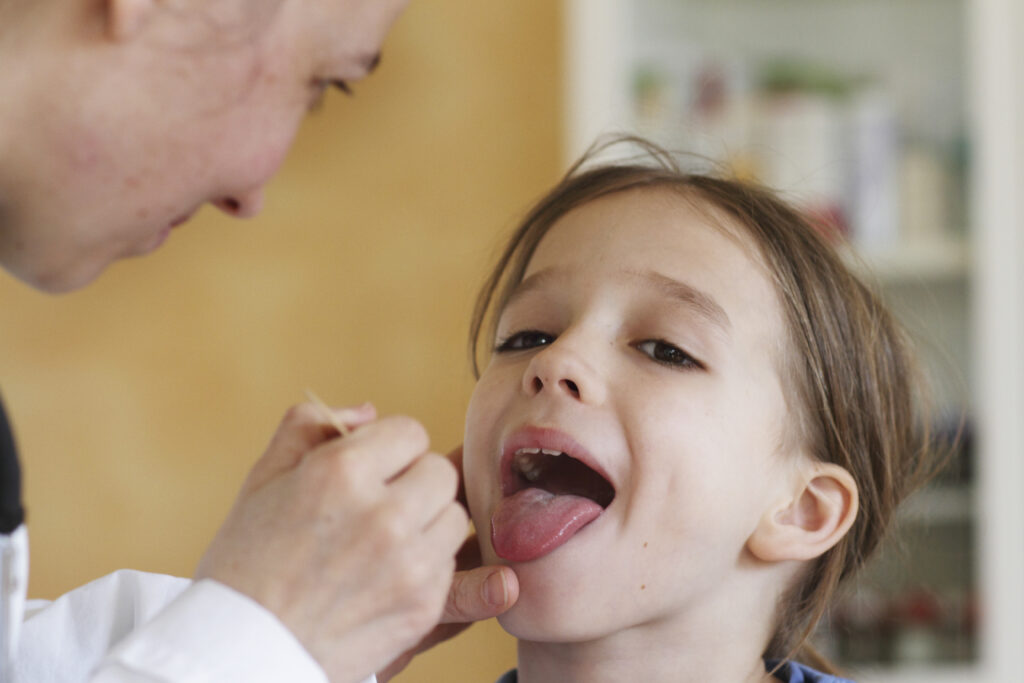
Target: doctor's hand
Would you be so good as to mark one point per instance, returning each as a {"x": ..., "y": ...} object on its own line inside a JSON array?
[
  {"x": 476, "y": 593},
  {"x": 349, "y": 540}
]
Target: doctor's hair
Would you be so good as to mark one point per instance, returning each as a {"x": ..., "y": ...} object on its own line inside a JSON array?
[{"x": 849, "y": 376}]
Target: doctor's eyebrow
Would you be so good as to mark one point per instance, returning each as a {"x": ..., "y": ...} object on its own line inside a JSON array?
[{"x": 693, "y": 298}]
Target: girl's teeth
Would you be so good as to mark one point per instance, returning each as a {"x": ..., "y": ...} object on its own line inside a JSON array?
[
  {"x": 526, "y": 465},
  {"x": 536, "y": 451}
]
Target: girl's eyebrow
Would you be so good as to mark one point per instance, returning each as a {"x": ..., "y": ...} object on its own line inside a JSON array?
[
  {"x": 701, "y": 302},
  {"x": 534, "y": 282}
]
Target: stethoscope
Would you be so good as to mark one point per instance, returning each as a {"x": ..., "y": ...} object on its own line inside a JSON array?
[{"x": 13, "y": 549}]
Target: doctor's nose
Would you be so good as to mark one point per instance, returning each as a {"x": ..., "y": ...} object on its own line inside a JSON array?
[
  {"x": 560, "y": 369},
  {"x": 246, "y": 204}
]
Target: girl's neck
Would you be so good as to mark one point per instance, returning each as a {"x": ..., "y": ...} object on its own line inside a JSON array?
[
  {"x": 648, "y": 653},
  {"x": 718, "y": 637}
]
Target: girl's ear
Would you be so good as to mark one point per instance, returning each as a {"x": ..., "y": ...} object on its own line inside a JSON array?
[
  {"x": 126, "y": 17},
  {"x": 807, "y": 524}
]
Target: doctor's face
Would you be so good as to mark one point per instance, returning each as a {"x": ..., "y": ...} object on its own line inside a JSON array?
[{"x": 195, "y": 104}]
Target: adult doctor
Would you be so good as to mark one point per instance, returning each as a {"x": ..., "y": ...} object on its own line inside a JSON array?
[{"x": 118, "y": 120}]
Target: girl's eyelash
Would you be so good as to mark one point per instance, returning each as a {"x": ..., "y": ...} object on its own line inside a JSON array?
[
  {"x": 522, "y": 340},
  {"x": 658, "y": 350},
  {"x": 668, "y": 354}
]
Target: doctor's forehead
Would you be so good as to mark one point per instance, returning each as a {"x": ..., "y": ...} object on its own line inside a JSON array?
[
  {"x": 350, "y": 31},
  {"x": 354, "y": 29}
]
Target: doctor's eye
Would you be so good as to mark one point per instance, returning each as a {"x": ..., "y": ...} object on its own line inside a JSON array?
[
  {"x": 320, "y": 87},
  {"x": 526, "y": 339},
  {"x": 341, "y": 86},
  {"x": 668, "y": 354}
]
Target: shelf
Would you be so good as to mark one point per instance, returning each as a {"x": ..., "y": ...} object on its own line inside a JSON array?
[
  {"x": 939, "y": 505},
  {"x": 939, "y": 260},
  {"x": 951, "y": 69},
  {"x": 920, "y": 674}
]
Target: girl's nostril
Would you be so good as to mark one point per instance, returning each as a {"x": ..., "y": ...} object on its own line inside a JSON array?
[
  {"x": 231, "y": 204},
  {"x": 572, "y": 387},
  {"x": 537, "y": 384}
]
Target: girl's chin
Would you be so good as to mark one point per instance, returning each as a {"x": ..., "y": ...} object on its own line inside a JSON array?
[
  {"x": 531, "y": 629},
  {"x": 547, "y": 619}
]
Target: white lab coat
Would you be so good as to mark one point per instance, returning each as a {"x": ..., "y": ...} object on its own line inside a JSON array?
[{"x": 135, "y": 627}]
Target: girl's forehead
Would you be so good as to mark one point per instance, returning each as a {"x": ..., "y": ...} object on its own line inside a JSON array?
[
  {"x": 664, "y": 237},
  {"x": 653, "y": 228}
]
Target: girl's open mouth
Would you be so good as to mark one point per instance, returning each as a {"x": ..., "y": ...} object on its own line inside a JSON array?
[
  {"x": 560, "y": 474},
  {"x": 550, "y": 491}
]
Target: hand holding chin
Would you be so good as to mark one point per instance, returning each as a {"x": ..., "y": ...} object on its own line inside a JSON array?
[
  {"x": 350, "y": 541},
  {"x": 477, "y": 593}
]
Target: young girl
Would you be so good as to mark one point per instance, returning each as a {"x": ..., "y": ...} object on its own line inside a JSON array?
[{"x": 695, "y": 421}]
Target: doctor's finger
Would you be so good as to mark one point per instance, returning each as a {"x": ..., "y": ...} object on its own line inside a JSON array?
[
  {"x": 424, "y": 490},
  {"x": 443, "y": 537},
  {"x": 379, "y": 451},
  {"x": 480, "y": 593},
  {"x": 455, "y": 458},
  {"x": 303, "y": 427}
]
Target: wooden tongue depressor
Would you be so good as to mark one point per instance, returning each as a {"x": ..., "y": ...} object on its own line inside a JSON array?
[{"x": 327, "y": 413}]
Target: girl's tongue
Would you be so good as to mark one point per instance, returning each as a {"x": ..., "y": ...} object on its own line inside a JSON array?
[{"x": 534, "y": 522}]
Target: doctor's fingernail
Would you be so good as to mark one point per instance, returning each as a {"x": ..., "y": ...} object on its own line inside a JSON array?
[{"x": 496, "y": 590}]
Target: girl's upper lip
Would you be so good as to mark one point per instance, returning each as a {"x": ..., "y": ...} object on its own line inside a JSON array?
[{"x": 548, "y": 438}]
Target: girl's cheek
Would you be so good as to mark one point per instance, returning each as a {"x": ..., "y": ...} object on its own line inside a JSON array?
[
  {"x": 484, "y": 424},
  {"x": 473, "y": 442}
]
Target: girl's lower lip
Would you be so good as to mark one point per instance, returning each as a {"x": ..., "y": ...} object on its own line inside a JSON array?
[{"x": 178, "y": 221}]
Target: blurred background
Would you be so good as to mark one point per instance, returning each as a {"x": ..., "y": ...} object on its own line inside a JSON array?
[{"x": 141, "y": 402}]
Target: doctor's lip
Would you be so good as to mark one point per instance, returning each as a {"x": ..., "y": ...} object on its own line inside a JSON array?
[{"x": 544, "y": 438}]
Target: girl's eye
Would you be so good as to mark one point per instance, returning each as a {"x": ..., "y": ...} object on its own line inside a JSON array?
[
  {"x": 527, "y": 339},
  {"x": 667, "y": 354}
]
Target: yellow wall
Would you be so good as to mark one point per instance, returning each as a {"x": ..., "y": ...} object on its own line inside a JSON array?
[{"x": 141, "y": 402}]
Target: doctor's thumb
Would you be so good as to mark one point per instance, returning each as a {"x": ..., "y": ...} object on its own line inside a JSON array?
[{"x": 480, "y": 593}]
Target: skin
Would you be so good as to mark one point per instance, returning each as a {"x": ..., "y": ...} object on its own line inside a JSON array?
[
  {"x": 123, "y": 118},
  {"x": 131, "y": 123},
  {"x": 684, "y": 411}
]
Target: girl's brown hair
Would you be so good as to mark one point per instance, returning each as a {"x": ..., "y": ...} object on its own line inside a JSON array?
[{"x": 852, "y": 381}]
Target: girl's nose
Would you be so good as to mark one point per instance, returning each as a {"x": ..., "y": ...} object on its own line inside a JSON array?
[
  {"x": 246, "y": 204},
  {"x": 561, "y": 369}
]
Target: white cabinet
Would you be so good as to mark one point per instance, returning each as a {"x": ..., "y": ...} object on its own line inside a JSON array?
[{"x": 903, "y": 120}]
